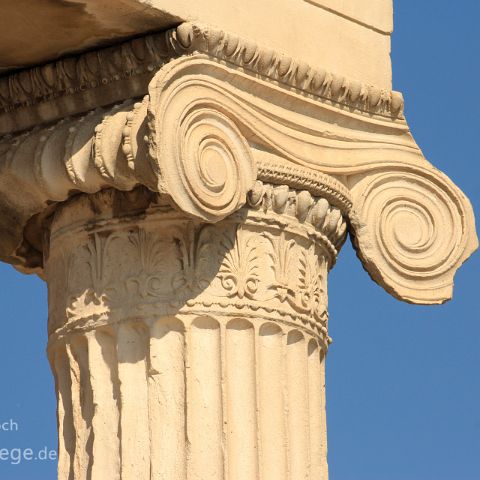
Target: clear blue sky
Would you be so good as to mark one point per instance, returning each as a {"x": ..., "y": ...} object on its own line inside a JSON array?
[{"x": 403, "y": 382}]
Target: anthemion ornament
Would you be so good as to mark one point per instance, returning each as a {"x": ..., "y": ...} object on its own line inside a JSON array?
[{"x": 184, "y": 195}]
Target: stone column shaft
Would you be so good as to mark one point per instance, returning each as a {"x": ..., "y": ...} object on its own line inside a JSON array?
[
  {"x": 207, "y": 397},
  {"x": 183, "y": 350}
]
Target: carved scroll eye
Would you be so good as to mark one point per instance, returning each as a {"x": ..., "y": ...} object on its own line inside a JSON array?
[
  {"x": 205, "y": 162},
  {"x": 211, "y": 170}
]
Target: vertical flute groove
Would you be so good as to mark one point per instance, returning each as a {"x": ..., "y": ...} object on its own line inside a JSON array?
[
  {"x": 166, "y": 394},
  {"x": 316, "y": 418},
  {"x": 297, "y": 388},
  {"x": 82, "y": 406},
  {"x": 258, "y": 404},
  {"x": 272, "y": 403},
  {"x": 66, "y": 432},
  {"x": 106, "y": 445},
  {"x": 324, "y": 456},
  {"x": 225, "y": 419},
  {"x": 135, "y": 439},
  {"x": 241, "y": 401},
  {"x": 204, "y": 401}
]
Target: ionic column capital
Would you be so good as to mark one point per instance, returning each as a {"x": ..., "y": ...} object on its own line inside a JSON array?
[{"x": 221, "y": 114}]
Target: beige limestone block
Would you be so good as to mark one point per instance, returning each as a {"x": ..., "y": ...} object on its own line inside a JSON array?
[
  {"x": 311, "y": 34},
  {"x": 375, "y": 14},
  {"x": 350, "y": 38}
]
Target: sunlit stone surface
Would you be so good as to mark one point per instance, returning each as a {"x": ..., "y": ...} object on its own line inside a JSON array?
[{"x": 185, "y": 194}]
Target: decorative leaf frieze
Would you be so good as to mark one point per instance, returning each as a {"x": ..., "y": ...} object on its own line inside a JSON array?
[
  {"x": 130, "y": 65},
  {"x": 193, "y": 248},
  {"x": 98, "y": 252},
  {"x": 87, "y": 71},
  {"x": 311, "y": 296},
  {"x": 244, "y": 263}
]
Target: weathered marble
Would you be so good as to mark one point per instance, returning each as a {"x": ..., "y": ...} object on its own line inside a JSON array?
[{"x": 185, "y": 194}]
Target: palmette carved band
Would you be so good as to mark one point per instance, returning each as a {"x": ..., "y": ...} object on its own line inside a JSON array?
[
  {"x": 122, "y": 255},
  {"x": 220, "y": 114}
]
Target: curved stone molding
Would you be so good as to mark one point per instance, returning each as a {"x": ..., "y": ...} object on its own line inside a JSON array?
[
  {"x": 82, "y": 154},
  {"x": 412, "y": 230},
  {"x": 204, "y": 161},
  {"x": 191, "y": 37},
  {"x": 348, "y": 145},
  {"x": 301, "y": 128}
]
